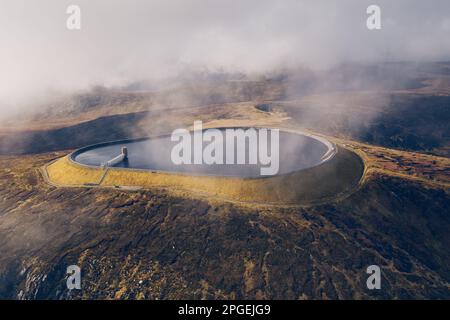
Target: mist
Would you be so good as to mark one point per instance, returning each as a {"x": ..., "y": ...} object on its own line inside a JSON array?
[{"x": 121, "y": 43}]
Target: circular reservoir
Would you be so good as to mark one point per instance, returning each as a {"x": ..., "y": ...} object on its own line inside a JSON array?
[
  {"x": 297, "y": 151},
  {"x": 311, "y": 170}
]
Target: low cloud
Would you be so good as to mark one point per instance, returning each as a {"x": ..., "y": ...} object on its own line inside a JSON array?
[{"x": 123, "y": 42}]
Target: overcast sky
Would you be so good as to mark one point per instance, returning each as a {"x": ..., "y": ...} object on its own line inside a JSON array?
[{"x": 124, "y": 41}]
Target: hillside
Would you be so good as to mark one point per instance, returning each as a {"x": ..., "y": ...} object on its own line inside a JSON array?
[
  {"x": 157, "y": 244},
  {"x": 162, "y": 242}
]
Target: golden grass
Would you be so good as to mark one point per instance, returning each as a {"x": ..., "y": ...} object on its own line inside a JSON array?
[
  {"x": 63, "y": 172},
  {"x": 236, "y": 188}
]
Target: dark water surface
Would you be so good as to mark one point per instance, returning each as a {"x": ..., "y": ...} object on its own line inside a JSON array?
[{"x": 296, "y": 152}]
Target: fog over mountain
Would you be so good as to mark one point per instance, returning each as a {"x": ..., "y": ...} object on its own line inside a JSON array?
[{"x": 124, "y": 42}]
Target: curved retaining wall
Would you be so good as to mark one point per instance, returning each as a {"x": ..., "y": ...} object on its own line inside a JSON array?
[{"x": 339, "y": 174}]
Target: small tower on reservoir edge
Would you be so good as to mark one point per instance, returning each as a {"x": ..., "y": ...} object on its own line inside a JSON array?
[{"x": 125, "y": 152}]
